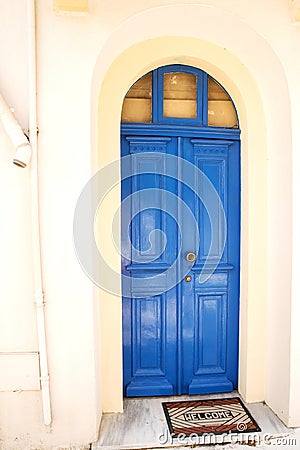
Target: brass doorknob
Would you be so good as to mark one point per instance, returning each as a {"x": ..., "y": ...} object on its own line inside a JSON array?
[{"x": 190, "y": 257}]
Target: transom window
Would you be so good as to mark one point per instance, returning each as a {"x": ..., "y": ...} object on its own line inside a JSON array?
[{"x": 179, "y": 94}]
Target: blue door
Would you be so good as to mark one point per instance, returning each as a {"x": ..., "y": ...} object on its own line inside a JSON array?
[{"x": 180, "y": 235}]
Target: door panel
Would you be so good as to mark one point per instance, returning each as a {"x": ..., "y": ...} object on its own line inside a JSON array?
[
  {"x": 210, "y": 334},
  {"x": 207, "y": 305},
  {"x": 148, "y": 220},
  {"x": 205, "y": 350},
  {"x": 149, "y": 370},
  {"x": 179, "y": 340},
  {"x": 211, "y": 157},
  {"x": 149, "y": 317}
]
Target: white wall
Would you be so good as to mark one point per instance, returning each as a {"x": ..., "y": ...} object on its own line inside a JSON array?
[
  {"x": 18, "y": 340},
  {"x": 74, "y": 55},
  {"x": 70, "y": 310}
]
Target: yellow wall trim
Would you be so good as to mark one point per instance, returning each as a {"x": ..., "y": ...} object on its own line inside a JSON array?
[
  {"x": 72, "y": 6},
  {"x": 296, "y": 11}
]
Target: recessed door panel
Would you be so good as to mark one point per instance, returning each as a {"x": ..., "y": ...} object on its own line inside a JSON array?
[
  {"x": 148, "y": 337},
  {"x": 210, "y": 335}
]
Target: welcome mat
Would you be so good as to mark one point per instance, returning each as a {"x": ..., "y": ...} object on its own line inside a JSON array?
[{"x": 217, "y": 416}]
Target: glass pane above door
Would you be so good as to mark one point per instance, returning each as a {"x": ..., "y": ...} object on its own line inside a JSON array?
[
  {"x": 137, "y": 105},
  {"x": 221, "y": 112},
  {"x": 174, "y": 95},
  {"x": 180, "y": 95}
]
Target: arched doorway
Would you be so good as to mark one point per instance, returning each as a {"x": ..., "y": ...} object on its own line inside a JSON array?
[{"x": 180, "y": 336}]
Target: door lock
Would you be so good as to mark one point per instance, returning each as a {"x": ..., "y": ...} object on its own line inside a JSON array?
[{"x": 190, "y": 257}]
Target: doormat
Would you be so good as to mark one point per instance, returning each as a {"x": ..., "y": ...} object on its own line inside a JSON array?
[{"x": 216, "y": 416}]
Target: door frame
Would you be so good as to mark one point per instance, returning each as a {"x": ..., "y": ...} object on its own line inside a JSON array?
[{"x": 134, "y": 136}]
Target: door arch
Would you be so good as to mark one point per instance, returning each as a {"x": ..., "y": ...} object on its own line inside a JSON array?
[
  {"x": 166, "y": 118},
  {"x": 244, "y": 81}
]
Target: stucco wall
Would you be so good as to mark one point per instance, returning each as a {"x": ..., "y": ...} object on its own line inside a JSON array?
[{"x": 79, "y": 62}]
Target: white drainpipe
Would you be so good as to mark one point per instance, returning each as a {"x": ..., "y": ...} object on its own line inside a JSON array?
[
  {"x": 38, "y": 285},
  {"x": 26, "y": 150},
  {"x": 17, "y": 137}
]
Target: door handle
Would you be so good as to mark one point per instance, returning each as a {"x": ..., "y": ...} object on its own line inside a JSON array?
[{"x": 190, "y": 257}]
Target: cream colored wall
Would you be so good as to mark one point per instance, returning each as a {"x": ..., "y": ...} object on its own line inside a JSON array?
[{"x": 80, "y": 59}]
